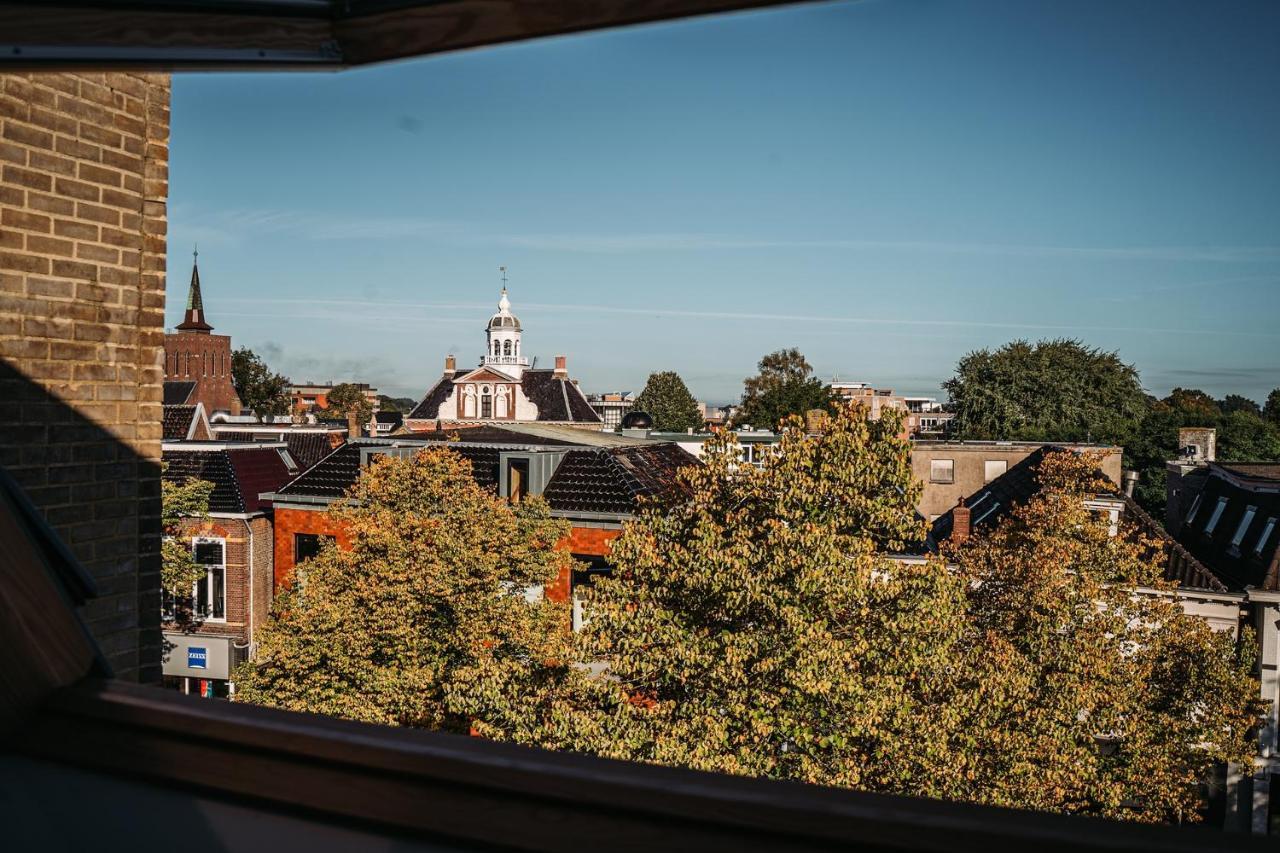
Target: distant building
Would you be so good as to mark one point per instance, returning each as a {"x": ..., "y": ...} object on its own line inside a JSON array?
[
  {"x": 385, "y": 423},
  {"x": 310, "y": 396},
  {"x": 197, "y": 363},
  {"x": 504, "y": 389},
  {"x": 611, "y": 406}
]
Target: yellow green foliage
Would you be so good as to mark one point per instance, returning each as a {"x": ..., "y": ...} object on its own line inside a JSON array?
[
  {"x": 425, "y": 620},
  {"x": 186, "y": 501}
]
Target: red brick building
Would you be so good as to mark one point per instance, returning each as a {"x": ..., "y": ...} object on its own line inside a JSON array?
[
  {"x": 593, "y": 480},
  {"x": 197, "y": 361},
  {"x": 206, "y": 637}
]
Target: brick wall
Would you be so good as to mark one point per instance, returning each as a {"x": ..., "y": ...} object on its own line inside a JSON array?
[
  {"x": 205, "y": 360},
  {"x": 287, "y": 522},
  {"x": 83, "y": 191},
  {"x": 263, "y": 582}
]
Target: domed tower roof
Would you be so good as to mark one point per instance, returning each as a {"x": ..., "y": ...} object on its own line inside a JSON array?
[{"x": 504, "y": 319}]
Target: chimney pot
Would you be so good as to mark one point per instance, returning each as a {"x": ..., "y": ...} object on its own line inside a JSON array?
[
  {"x": 960, "y": 522},
  {"x": 561, "y": 370}
]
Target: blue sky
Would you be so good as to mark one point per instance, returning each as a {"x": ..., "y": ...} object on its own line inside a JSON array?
[{"x": 886, "y": 185}]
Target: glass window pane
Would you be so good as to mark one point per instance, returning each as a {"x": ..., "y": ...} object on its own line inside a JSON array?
[
  {"x": 942, "y": 470},
  {"x": 994, "y": 468},
  {"x": 208, "y": 553},
  {"x": 218, "y": 583}
]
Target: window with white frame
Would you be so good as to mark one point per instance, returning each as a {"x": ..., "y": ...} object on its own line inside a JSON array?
[
  {"x": 210, "y": 594},
  {"x": 942, "y": 471},
  {"x": 993, "y": 468},
  {"x": 1266, "y": 535},
  {"x": 1243, "y": 527},
  {"x": 1217, "y": 514}
]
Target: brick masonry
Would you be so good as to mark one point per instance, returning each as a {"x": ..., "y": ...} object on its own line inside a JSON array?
[
  {"x": 83, "y": 191},
  {"x": 248, "y": 558}
]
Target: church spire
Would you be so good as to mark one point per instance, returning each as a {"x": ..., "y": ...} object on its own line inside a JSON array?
[{"x": 193, "y": 320}]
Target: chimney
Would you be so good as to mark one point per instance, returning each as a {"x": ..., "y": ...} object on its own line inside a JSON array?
[
  {"x": 1130, "y": 479},
  {"x": 353, "y": 426},
  {"x": 450, "y": 365},
  {"x": 960, "y": 516},
  {"x": 561, "y": 370}
]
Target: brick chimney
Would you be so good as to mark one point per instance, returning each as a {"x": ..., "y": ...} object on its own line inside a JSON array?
[
  {"x": 561, "y": 370},
  {"x": 353, "y": 426},
  {"x": 960, "y": 522},
  {"x": 450, "y": 365}
]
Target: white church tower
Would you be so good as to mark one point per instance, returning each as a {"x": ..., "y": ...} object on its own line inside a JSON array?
[{"x": 502, "y": 340}]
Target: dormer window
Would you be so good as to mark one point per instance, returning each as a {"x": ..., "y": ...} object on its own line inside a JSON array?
[
  {"x": 1243, "y": 526},
  {"x": 1266, "y": 535},
  {"x": 1217, "y": 514}
]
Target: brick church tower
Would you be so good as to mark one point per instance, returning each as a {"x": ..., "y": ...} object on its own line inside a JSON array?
[{"x": 198, "y": 362}]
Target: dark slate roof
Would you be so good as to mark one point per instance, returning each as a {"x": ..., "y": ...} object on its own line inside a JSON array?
[
  {"x": 491, "y": 435},
  {"x": 306, "y": 447},
  {"x": 177, "y": 392},
  {"x": 1253, "y": 470},
  {"x": 429, "y": 408},
  {"x": 393, "y": 418},
  {"x": 1013, "y": 487},
  {"x": 177, "y": 422},
  {"x": 556, "y": 397},
  {"x": 605, "y": 480},
  {"x": 612, "y": 480},
  {"x": 238, "y": 475},
  {"x": 1240, "y": 565},
  {"x": 337, "y": 472}
]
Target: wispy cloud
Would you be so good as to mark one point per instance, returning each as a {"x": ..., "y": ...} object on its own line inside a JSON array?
[{"x": 235, "y": 226}]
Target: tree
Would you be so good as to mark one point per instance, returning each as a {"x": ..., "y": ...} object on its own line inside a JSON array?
[
  {"x": 1237, "y": 403},
  {"x": 347, "y": 399},
  {"x": 754, "y": 625},
  {"x": 783, "y": 387},
  {"x": 260, "y": 390},
  {"x": 396, "y": 404},
  {"x": 1058, "y": 390},
  {"x": 667, "y": 400},
  {"x": 426, "y": 620},
  {"x": 181, "y": 502},
  {"x": 1113, "y": 701},
  {"x": 1271, "y": 409}
]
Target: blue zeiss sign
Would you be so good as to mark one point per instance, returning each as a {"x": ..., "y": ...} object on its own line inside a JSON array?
[{"x": 197, "y": 657}]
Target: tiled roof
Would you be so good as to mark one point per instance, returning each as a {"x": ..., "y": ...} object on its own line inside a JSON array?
[
  {"x": 556, "y": 397},
  {"x": 394, "y": 418},
  {"x": 612, "y": 480},
  {"x": 307, "y": 447},
  {"x": 238, "y": 474},
  {"x": 490, "y": 435},
  {"x": 177, "y": 392},
  {"x": 177, "y": 422},
  {"x": 1255, "y": 559},
  {"x": 1253, "y": 470},
  {"x": 588, "y": 479}
]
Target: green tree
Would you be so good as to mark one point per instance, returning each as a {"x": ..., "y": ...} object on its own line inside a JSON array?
[
  {"x": 667, "y": 399},
  {"x": 426, "y": 619},
  {"x": 783, "y": 387},
  {"x": 1112, "y": 700},
  {"x": 347, "y": 399},
  {"x": 1271, "y": 409},
  {"x": 1058, "y": 390},
  {"x": 261, "y": 391},
  {"x": 396, "y": 404},
  {"x": 184, "y": 503},
  {"x": 1237, "y": 403}
]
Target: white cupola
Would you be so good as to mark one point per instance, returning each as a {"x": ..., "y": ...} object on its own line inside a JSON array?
[{"x": 502, "y": 340}]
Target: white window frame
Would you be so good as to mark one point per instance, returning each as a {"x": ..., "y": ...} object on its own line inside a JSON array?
[
  {"x": 986, "y": 469},
  {"x": 1243, "y": 527},
  {"x": 208, "y": 579},
  {"x": 933, "y": 478},
  {"x": 1217, "y": 514}
]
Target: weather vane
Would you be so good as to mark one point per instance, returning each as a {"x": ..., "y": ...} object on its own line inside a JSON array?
[{"x": 503, "y": 270}]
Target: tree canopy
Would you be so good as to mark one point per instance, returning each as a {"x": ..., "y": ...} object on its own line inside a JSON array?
[
  {"x": 754, "y": 625},
  {"x": 260, "y": 390},
  {"x": 667, "y": 400},
  {"x": 1058, "y": 390},
  {"x": 1271, "y": 409},
  {"x": 428, "y": 619},
  {"x": 396, "y": 404},
  {"x": 783, "y": 387},
  {"x": 348, "y": 399}
]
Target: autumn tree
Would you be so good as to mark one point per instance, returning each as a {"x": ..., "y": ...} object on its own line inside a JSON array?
[
  {"x": 181, "y": 502},
  {"x": 431, "y": 618},
  {"x": 348, "y": 399},
  {"x": 262, "y": 391},
  {"x": 752, "y": 625},
  {"x": 667, "y": 400},
  {"x": 1058, "y": 390},
  {"x": 784, "y": 386},
  {"x": 1112, "y": 701}
]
